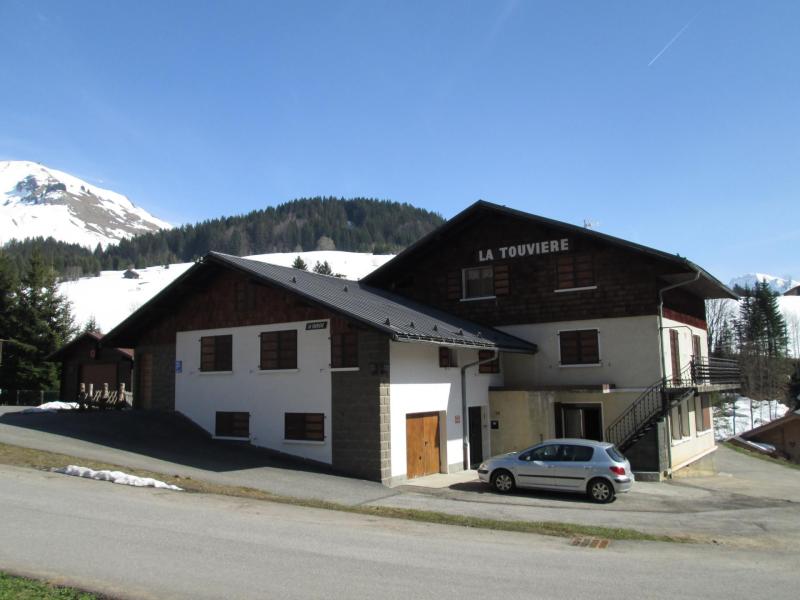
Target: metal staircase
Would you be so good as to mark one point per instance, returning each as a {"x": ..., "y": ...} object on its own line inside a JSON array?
[{"x": 658, "y": 399}]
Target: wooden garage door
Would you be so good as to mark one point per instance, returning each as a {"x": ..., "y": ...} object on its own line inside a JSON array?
[{"x": 422, "y": 444}]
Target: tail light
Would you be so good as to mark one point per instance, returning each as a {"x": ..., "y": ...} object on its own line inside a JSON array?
[{"x": 618, "y": 470}]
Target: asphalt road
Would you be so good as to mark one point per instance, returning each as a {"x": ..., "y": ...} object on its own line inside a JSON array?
[
  {"x": 751, "y": 503},
  {"x": 144, "y": 543}
]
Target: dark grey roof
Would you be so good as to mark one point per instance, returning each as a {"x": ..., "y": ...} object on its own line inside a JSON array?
[{"x": 402, "y": 319}]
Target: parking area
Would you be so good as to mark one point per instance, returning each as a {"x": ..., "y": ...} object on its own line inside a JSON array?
[{"x": 749, "y": 503}]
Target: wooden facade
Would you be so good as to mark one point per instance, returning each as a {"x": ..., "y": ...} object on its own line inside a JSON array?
[
  {"x": 610, "y": 280},
  {"x": 86, "y": 360}
]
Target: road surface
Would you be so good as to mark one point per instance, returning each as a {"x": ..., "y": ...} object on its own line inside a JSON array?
[{"x": 144, "y": 543}]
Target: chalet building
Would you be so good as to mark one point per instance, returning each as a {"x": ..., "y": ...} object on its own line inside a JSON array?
[
  {"x": 87, "y": 360},
  {"x": 496, "y": 331},
  {"x": 620, "y": 330},
  {"x": 314, "y": 366},
  {"x": 795, "y": 291}
]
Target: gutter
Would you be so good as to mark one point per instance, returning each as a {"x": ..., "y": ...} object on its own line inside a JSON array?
[
  {"x": 464, "y": 412},
  {"x": 661, "y": 349}
]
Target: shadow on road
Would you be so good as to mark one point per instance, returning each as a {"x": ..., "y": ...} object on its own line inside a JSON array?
[{"x": 161, "y": 435}]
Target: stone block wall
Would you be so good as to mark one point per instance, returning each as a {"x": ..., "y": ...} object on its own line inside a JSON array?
[{"x": 360, "y": 412}]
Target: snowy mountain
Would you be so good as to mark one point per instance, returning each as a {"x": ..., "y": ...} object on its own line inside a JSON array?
[
  {"x": 777, "y": 284},
  {"x": 110, "y": 298},
  {"x": 39, "y": 201}
]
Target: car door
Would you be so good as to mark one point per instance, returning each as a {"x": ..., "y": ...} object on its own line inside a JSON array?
[
  {"x": 574, "y": 468},
  {"x": 535, "y": 467}
]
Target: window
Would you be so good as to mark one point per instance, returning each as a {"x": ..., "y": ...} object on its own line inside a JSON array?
[
  {"x": 579, "y": 347},
  {"x": 488, "y": 367},
  {"x": 478, "y": 282},
  {"x": 574, "y": 271},
  {"x": 702, "y": 412},
  {"x": 216, "y": 353},
  {"x": 279, "y": 350},
  {"x": 576, "y": 453},
  {"x": 232, "y": 424},
  {"x": 447, "y": 357},
  {"x": 542, "y": 453},
  {"x": 344, "y": 349},
  {"x": 304, "y": 426}
]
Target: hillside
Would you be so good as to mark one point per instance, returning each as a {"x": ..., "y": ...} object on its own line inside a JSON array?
[
  {"x": 355, "y": 225},
  {"x": 36, "y": 200}
]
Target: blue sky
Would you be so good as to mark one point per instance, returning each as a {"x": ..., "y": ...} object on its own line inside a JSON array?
[{"x": 672, "y": 124}]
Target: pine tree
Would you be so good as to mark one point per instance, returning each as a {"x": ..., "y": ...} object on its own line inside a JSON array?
[
  {"x": 323, "y": 268},
  {"x": 43, "y": 322},
  {"x": 299, "y": 263}
]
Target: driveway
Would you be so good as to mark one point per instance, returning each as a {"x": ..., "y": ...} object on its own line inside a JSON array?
[{"x": 750, "y": 503}]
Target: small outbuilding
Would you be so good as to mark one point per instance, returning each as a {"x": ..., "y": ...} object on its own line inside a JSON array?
[
  {"x": 86, "y": 360},
  {"x": 130, "y": 274},
  {"x": 795, "y": 291},
  {"x": 783, "y": 433}
]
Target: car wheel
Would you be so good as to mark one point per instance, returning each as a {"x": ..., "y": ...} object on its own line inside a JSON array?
[
  {"x": 600, "y": 490},
  {"x": 503, "y": 481}
]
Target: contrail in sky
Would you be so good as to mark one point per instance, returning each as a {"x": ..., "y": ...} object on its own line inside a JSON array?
[{"x": 672, "y": 41}]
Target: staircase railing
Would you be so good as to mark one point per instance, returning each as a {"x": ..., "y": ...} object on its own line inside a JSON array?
[
  {"x": 649, "y": 404},
  {"x": 657, "y": 399}
]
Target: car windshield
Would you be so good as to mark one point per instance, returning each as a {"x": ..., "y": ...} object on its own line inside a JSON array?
[{"x": 615, "y": 454}]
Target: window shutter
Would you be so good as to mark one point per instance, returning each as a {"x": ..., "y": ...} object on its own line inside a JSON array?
[{"x": 501, "y": 280}]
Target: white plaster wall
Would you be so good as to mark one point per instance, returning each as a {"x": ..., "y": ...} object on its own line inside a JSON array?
[
  {"x": 266, "y": 395},
  {"x": 693, "y": 446},
  {"x": 628, "y": 354},
  {"x": 418, "y": 384},
  {"x": 685, "y": 333}
]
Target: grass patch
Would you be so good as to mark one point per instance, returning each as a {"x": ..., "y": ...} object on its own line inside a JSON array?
[
  {"x": 44, "y": 460},
  {"x": 758, "y": 455},
  {"x": 21, "y": 588}
]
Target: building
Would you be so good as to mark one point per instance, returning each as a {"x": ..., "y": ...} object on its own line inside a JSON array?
[
  {"x": 620, "y": 330},
  {"x": 795, "y": 291},
  {"x": 783, "y": 434},
  {"x": 322, "y": 368},
  {"x": 87, "y": 360},
  {"x": 493, "y": 332}
]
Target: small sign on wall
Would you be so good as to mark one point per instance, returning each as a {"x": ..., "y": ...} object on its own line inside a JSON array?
[
  {"x": 316, "y": 325},
  {"x": 179, "y": 366},
  {"x": 495, "y": 424},
  {"x": 458, "y": 418}
]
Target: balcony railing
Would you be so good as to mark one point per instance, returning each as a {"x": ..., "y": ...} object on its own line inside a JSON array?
[{"x": 715, "y": 371}]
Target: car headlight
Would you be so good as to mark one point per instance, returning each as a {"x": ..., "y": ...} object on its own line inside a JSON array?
[{"x": 482, "y": 467}]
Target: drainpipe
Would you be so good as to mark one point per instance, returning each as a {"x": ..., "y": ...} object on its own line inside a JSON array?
[
  {"x": 464, "y": 412},
  {"x": 661, "y": 349}
]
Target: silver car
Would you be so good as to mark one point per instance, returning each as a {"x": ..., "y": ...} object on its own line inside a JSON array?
[{"x": 597, "y": 469}]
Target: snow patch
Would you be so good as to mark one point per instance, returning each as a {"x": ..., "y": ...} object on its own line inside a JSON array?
[
  {"x": 116, "y": 477},
  {"x": 734, "y": 418},
  {"x": 51, "y": 407}
]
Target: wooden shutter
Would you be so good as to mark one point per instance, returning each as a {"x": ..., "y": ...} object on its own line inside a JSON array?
[
  {"x": 580, "y": 347},
  {"x": 216, "y": 353},
  {"x": 696, "y": 347},
  {"x": 453, "y": 285},
  {"x": 344, "y": 349},
  {"x": 447, "y": 357},
  {"x": 304, "y": 426},
  {"x": 574, "y": 271},
  {"x": 279, "y": 349},
  {"x": 489, "y": 367},
  {"x": 675, "y": 354},
  {"x": 232, "y": 424},
  {"x": 501, "y": 280}
]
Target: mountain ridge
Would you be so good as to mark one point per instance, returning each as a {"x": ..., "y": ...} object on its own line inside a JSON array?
[{"x": 39, "y": 201}]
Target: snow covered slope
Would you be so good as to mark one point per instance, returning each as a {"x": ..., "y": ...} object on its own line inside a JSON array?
[
  {"x": 777, "y": 284},
  {"x": 110, "y": 298},
  {"x": 38, "y": 201}
]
